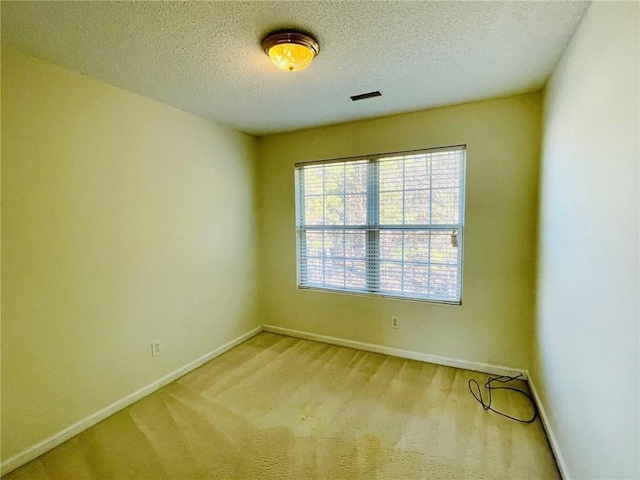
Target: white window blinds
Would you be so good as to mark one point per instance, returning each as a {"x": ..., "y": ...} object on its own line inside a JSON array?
[{"x": 387, "y": 224}]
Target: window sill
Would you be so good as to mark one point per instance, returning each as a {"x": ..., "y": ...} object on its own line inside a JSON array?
[{"x": 361, "y": 293}]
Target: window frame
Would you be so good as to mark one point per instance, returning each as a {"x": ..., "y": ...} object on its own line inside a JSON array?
[{"x": 373, "y": 160}]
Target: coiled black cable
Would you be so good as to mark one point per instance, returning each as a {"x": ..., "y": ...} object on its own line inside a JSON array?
[{"x": 490, "y": 388}]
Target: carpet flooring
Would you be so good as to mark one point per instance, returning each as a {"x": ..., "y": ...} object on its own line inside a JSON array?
[{"x": 281, "y": 407}]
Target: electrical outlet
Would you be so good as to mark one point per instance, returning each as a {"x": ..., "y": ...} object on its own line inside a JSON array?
[
  {"x": 156, "y": 348},
  {"x": 394, "y": 322}
]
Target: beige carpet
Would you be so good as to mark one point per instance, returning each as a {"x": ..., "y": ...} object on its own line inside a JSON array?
[{"x": 279, "y": 407}]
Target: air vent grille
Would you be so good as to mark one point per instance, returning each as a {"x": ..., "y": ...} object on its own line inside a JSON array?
[{"x": 364, "y": 96}]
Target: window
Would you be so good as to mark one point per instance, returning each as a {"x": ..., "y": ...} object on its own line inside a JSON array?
[{"x": 387, "y": 225}]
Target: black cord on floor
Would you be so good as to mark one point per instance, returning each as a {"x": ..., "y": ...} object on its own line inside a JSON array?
[{"x": 490, "y": 388}]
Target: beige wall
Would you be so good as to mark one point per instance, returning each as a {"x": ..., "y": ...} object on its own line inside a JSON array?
[
  {"x": 124, "y": 221},
  {"x": 586, "y": 335},
  {"x": 494, "y": 323}
]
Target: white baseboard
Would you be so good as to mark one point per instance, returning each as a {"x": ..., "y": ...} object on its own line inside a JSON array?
[
  {"x": 553, "y": 441},
  {"x": 398, "y": 352},
  {"x": 62, "y": 436}
]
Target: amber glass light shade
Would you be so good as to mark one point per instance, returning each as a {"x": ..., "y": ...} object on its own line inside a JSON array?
[{"x": 290, "y": 51}]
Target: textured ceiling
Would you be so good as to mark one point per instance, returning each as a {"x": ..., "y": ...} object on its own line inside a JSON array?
[{"x": 205, "y": 57}]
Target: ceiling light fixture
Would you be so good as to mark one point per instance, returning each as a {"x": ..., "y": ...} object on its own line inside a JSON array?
[{"x": 290, "y": 50}]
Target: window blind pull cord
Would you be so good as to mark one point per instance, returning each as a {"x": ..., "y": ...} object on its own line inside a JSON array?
[
  {"x": 488, "y": 385},
  {"x": 454, "y": 238}
]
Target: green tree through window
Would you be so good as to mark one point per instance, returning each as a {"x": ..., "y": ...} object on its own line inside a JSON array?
[{"x": 384, "y": 224}]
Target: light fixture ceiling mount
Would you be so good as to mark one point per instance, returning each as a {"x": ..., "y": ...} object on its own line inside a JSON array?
[{"x": 290, "y": 50}]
